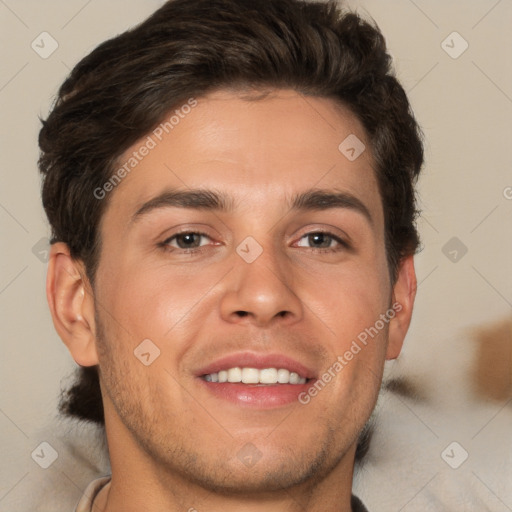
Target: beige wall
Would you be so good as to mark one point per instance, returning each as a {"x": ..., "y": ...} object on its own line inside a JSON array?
[{"x": 464, "y": 105}]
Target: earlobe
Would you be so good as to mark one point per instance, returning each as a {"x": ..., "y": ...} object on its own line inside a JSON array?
[
  {"x": 404, "y": 293},
  {"x": 71, "y": 304}
]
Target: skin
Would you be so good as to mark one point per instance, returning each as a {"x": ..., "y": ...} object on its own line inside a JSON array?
[{"x": 173, "y": 445}]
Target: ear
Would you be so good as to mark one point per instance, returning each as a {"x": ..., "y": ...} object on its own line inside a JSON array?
[
  {"x": 404, "y": 293},
  {"x": 71, "y": 304}
]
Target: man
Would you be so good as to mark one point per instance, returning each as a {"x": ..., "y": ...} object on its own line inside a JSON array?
[{"x": 230, "y": 187}]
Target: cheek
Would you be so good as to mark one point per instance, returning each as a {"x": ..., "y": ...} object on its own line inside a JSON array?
[
  {"x": 349, "y": 298},
  {"x": 156, "y": 301}
]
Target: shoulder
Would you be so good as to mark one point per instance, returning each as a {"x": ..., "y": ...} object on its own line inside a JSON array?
[{"x": 86, "y": 502}]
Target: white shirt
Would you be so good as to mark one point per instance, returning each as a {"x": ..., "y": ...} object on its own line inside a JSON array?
[{"x": 86, "y": 502}]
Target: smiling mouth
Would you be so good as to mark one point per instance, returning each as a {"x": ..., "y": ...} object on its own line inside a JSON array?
[{"x": 246, "y": 375}]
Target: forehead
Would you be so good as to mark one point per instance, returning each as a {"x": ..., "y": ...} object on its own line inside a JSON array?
[{"x": 252, "y": 149}]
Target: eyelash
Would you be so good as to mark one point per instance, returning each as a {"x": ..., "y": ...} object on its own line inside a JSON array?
[
  {"x": 165, "y": 244},
  {"x": 342, "y": 244}
]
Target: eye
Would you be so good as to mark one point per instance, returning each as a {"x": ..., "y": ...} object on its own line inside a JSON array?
[
  {"x": 187, "y": 240},
  {"x": 321, "y": 240}
]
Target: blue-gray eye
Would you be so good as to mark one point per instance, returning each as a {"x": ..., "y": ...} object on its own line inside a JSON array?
[
  {"x": 319, "y": 240},
  {"x": 189, "y": 240}
]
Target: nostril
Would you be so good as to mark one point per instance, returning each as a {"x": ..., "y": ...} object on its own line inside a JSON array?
[{"x": 241, "y": 313}]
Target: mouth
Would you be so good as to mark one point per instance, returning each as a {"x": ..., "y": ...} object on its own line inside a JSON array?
[
  {"x": 250, "y": 379},
  {"x": 264, "y": 377}
]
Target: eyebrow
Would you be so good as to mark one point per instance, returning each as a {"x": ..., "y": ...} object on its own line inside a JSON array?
[
  {"x": 319, "y": 199},
  {"x": 190, "y": 199},
  {"x": 210, "y": 200}
]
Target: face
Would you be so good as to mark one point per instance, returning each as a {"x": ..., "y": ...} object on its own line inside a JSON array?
[{"x": 244, "y": 239}]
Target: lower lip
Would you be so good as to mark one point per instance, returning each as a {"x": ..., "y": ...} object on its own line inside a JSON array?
[{"x": 254, "y": 395}]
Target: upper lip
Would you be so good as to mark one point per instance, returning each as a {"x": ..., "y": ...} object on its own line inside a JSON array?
[{"x": 256, "y": 360}]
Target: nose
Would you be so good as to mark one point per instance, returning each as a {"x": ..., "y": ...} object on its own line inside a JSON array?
[{"x": 261, "y": 293}]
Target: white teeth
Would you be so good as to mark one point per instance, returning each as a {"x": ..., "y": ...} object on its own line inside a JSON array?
[
  {"x": 235, "y": 375},
  {"x": 294, "y": 378},
  {"x": 250, "y": 375},
  {"x": 283, "y": 376},
  {"x": 268, "y": 376},
  {"x": 256, "y": 376}
]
